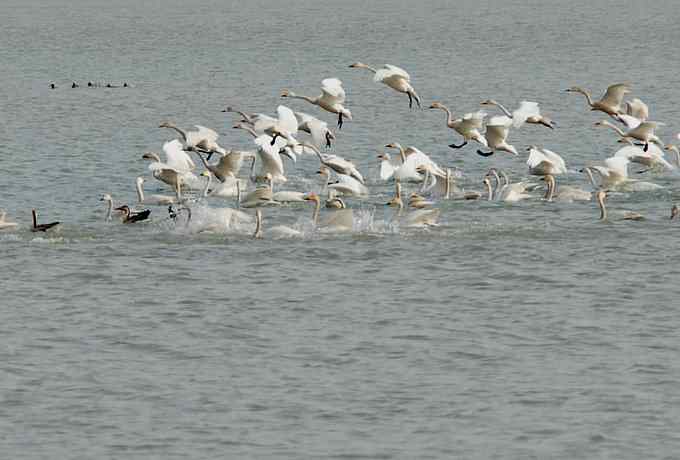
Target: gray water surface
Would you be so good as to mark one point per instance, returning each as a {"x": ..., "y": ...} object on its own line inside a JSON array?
[{"x": 511, "y": 331}]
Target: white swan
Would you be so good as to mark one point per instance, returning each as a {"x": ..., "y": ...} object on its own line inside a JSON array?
[
  {"x": 644, "y": 132},
  {"x": 610, "y": 102},
  {"x": 601, "y": 196},
  {"x": 269, "y": 153},
  {"x": 228, "y": 166},
  {"x": 348, "y": 186},
  {"x": 652, "y": 158},
  {"x": 394, "y": 77},
  {"x": 157, "y": 200},
  {"x": 468, "y": 126},
  {"x": 4, "y": 224},
  {"x": 331, "y": 99},
  {"x": 337, "y": 164},
  {"x": 507, "y": 192},
  {"x": 413, "y": 156},
  {"x": 318, "y": 129},
  {"x": 178, "y": 166},
  {"x": 203, "y": 139},
  {"x": 109, "y": 205},
  {"x": 527, "y": 112}
]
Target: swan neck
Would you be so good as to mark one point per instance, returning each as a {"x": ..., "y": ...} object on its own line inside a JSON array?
[
  {"x": 315, "y": 214},
  {"x": 140, "y": 192},
  {"x": 449, "y": 115},
  {"x": 303, "y": 97},
  {"x": 109, "y": 209},
  {"x": 603, "y": 209},
  {"x": 551, "y": 188},
  {"x": 589, "y": 98},
  {"x": 589, "y": 173},
  {"x": 180, "y": 131},
  {"x": 448, "y": 184},
  {"x": 258, "y": 224},
  {"x": 504, "y": 110},
  {"x": 35, "y": 218}
]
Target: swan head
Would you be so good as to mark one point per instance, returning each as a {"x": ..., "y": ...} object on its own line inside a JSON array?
[
  {"x": 205, "y": 173},
  {"x": 393, "y": 145},
  {"x": 672, "y": 147},
  {"x": 285, "y": 93},
  {"x": 675, "y": 211},
  {"x": 166, "y": 124},
  {"x": 602, "y": 123},
  {"x": 311, "y": 196},
  {"x": 358, "y": 65},
  {"x": 151, "y": 156},
  {"x": 383, "y": 157},
  {"x": 437, "y": 105},
  {"x": 395, "y": 203},
  {"x": 574, "y": 89},
  {"x": 106, "y": 197},
  {"x": 488, "y": 102}
]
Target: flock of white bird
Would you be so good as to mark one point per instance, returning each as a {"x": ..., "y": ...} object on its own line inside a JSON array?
[{"x": 288, "y": 136}]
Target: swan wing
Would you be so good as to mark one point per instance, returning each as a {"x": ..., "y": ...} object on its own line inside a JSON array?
[
  {"x": 473, "y": 120},
  {"x": 349, "y": 184},
  {"x": 263, "y": 123},
  {"x": 422, "y": 159},
  {"x": 207, "y": 133},
  {"x": 525, "y": 110},
  {"x": 398, "y": 71},
  {"x": 318, "y": 130},
  {"x": 287, "y": 121},
  {"x": 332, "y": 88},
  {"x": 630, "y": 151},
  {"x": 556, "y": 160},
  {"x": 536, "y": 157},
  {"x": 617, "y": 165},
  {"x": 386, "y": 170},
  {"x": 269, "y": 154},
  {"x": 176, "y": 158},
  {"x": 629, "y": 121},
  {"x": 637, "y": 109},
  {"x": 614, "y": 94},
  {"x": 495, "y": 135}
]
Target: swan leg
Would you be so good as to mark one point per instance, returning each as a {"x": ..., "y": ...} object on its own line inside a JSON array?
[
  {"x": 340, "y": 120},
  {"x": 454, "y": 146},
  {"x": 646, "y": 147},
  {"x": 484, "y": 154},
  {"x": 328, "y": 140},
  {"x": 274, "y": 138},
  {"x": 410, "y": 100}
]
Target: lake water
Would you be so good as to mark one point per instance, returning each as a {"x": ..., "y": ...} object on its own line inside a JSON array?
[{"x": 511, "y": 331}]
